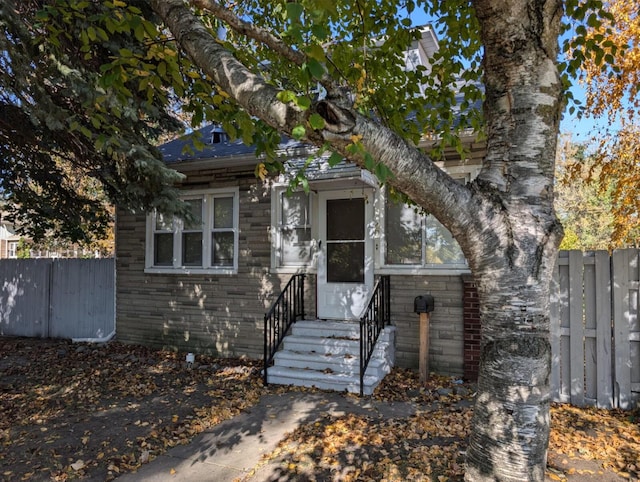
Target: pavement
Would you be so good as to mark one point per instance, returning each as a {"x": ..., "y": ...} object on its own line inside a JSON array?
[{"x": 232, "y": 450}]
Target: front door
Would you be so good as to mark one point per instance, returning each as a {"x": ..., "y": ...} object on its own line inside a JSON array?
[{"x": 345, "y": 264}]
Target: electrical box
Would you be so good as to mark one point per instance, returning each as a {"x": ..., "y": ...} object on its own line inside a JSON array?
[{"x": 423, "y": 304}]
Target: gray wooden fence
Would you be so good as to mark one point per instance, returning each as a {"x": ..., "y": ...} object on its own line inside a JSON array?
[
  {"x": 595, "y": 329},
  {"x": 60, "y": 298}
]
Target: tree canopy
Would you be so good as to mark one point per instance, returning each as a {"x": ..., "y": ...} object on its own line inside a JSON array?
[
  {"x": 111, "y": 76},
  {"x": 611, "y": 78},
  {"x": 72, "y": 106},
  {"x": 88, "y": 88}
]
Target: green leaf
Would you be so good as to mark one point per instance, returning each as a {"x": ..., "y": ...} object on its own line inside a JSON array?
[
  {"x": 315, "y": 51},
  {"x": 315, "y": 68},
  {"x": 139, "y": 32},
  {"x": 294, "y": 11},
  {"x": 593, "y": 21},
  {"x": 316, "y": 121},
  {"x": 319, "y": 32},
  {"x": 298, "y": 132},
  {"x": 369, "y": 162},
  {"x": 286, "y": 96},
  {"x": 303, "y": 102},
  {"x": 335, "y": 159}
]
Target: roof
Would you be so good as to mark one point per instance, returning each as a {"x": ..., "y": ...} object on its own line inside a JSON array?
[
  {"x": 183, "y": 149},
  {"x": 182, "y": 154}
]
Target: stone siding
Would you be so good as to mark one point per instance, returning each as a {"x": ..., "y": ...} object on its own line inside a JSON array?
[
  {"x": 223, "y": 314},
  {"x": 446, "y": 335}
]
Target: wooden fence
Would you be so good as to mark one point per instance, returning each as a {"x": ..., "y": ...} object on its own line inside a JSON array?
[
  {"x": 595, "y": 324},
  {"x": 595, "y": 329},
  {"x": 59, "y": 298}
]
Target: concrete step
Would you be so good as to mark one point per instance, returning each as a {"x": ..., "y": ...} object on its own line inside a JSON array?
[
  {"x": 346, "y": 364},
  {"x": 325, "y": 381},
  {"x": 327, "y": 329},
  {"x": 327, "y": 355}
]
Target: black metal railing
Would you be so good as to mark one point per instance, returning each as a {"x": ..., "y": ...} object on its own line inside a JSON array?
[
  {"x": 284, "y": 312},
  {"x": 376, "y": 316}
]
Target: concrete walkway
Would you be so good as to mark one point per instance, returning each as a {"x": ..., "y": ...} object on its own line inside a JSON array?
[{"x": 231, "y": 450}]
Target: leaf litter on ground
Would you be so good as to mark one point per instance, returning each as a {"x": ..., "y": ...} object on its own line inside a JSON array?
[{"x": 76, "y": 411}]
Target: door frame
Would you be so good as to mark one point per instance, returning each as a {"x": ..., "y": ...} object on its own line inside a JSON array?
[{"x": 351, "y": 298}]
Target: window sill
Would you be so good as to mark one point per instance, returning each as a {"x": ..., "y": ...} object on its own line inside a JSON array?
[
  {"x": 191, "y": 271},
  {"x": 293, "y": 270},
  {"x": 423, "y": 270}
]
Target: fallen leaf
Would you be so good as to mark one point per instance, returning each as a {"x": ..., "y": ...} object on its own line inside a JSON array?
[
  {"x": 78, "y": 465},
  {"x": 144, "y": 457}
]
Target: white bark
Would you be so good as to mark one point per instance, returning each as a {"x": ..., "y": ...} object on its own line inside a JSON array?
[{"x": 504, "y": 221}]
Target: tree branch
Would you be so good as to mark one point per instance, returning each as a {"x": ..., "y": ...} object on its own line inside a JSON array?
[
  {"x": 259, "y": 34},
  {"x": 454, "y": 204}
]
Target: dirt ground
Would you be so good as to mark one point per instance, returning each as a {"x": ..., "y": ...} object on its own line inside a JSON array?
[{"x": 92, "y": 412}]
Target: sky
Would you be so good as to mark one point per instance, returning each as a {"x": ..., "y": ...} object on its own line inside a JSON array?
[{"x": 581, "y": 129}]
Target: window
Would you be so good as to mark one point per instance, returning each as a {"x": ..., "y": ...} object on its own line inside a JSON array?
[
  {"x": 207, "y": 242},
  {"x": 223, "y": 232},
  {"x": 192, "y": 234},
  {"x": 162, "y": 240},
  {"x": 416, "y": 240},
  {"x": 12, "y": 249},
  {"x": 293, "y": 240}
]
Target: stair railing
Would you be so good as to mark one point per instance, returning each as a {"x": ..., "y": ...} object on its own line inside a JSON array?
[
  {"x": 285, "y": 311},
  {"x": 376, "y": 316}
]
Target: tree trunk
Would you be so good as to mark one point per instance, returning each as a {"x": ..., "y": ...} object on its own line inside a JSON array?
[
  {"x": 512, "y": 247},
  {"x": 511, "y": 416},
  {"x": 504, "y": 221}
]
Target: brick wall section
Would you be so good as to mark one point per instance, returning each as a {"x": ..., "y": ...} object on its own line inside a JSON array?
[
  {"x": 223, "y": 314},
  {"x": 471, "y": 329}
]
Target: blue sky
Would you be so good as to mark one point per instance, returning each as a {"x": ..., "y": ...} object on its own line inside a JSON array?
[{"x": 580, "y": 128}]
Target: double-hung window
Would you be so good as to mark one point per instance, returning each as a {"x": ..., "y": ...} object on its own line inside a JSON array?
[
  {"x": 204, "y": 242},
  {"x": 291, "y": 224},
  {"x": 12, "y": 250}
]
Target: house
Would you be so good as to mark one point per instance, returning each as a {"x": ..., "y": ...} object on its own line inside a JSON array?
[
  {"x": 205, "y": 286},
  {"x": 10, "y": 248},
  {"x": 8, "y": 241}
]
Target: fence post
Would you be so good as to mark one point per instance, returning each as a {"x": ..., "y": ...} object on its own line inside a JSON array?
[{"x": 626, "y": 329}]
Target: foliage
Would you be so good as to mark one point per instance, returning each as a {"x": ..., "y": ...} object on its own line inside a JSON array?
[
  {"x": 80, "y": 410},
  {"x": 361, "y": 47},
  {"x": 611, "y": 77},
  {"x": 24, "y": 249},
  {"x": 77, "y": 410},
  {"x": 582, "y": 204},
  {"x": 88, "y": 87},
  {"x": 75, "y": 97}
]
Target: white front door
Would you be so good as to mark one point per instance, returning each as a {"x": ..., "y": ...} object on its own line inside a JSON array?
[{"x": 345, "y": 264}]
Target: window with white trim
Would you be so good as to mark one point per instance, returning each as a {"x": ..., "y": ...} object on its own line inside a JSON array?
[
  {"x": 206, "y": 243},
  {"x": 413, "y": 239},
  {"x": 12, "y": 250},
  {"x": 292, "y": 239}
]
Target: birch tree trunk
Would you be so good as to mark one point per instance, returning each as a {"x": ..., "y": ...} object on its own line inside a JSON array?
[
  {"x": 513, "y": 267},
  {"x": 504, "y": 220}
]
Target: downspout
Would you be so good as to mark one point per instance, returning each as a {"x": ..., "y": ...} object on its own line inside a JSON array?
[{"x": 104, "y": 339}]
